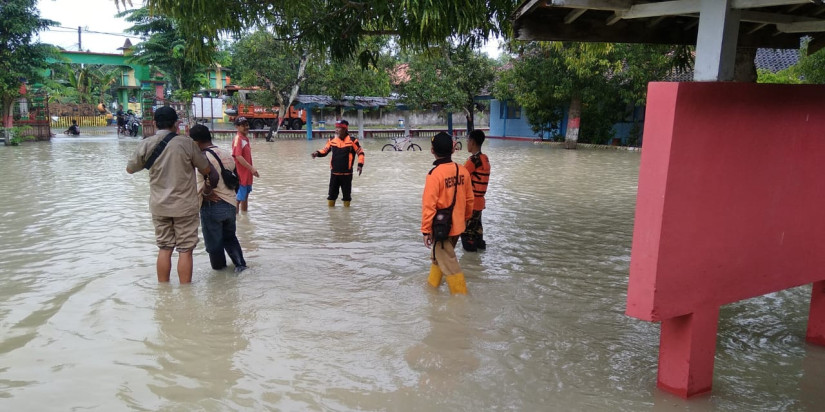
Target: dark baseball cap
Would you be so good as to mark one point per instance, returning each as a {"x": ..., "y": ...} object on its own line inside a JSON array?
[
  {"x": 166, "y": 114},
  {"x": 442, "y": 144},
  {"x": 241, "y": 120}
]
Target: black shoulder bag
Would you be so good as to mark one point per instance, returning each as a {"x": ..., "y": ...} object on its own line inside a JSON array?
[
  {"x": 230, "y": 177},
  {"x": 158, "y": 150},
  {"x": 443, "y": 220}
]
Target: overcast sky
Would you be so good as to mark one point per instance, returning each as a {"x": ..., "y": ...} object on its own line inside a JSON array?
[
  {"x": 92, "y": 16},
  {"x": 96, "y": 17}
]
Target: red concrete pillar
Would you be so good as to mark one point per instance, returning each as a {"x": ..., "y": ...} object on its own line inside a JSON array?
[
  {"x": 686, "y": 352},
  {"x": 816, "y": 318}
]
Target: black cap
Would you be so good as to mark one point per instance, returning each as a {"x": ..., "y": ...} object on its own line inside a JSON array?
[
  {"x": 442, "y": 144},
  {"x": 200, "y": 133},
  {"x": 241, "y": 120},
  {"x": 166, "y": 114}
]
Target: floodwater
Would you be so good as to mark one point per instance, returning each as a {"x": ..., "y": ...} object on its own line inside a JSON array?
[{"x": 334, "y": 313}]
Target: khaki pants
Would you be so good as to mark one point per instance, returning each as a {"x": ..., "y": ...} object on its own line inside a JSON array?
[
  {"x": 444, "y": 256},
  {"x": 179, "y": 233}
]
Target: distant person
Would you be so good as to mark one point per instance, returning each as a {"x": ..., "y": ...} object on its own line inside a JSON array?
[
  {"x": 173, "y": 194},
  {"x": 218, "y": 206},
  {"x": 73, "y": 129},
  {"x": 120, "y": 117},
  {"x": 479, "y": 167},
  {"x": 242, "y": 153},
  {"x": 345, "y": 150},
  {"x": 447, "y": 186}
]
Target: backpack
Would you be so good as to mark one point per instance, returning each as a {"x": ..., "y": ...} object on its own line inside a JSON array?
[{"x": 230, "y": 177}]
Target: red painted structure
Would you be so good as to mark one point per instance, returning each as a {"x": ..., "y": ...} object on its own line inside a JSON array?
[{"x": 730, "y": 204}]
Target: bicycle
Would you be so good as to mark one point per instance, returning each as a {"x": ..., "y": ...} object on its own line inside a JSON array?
[{"x": 399, "y": 145}]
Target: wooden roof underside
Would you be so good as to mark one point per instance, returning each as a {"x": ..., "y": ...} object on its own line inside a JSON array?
[{"x": 777, "y": 24}]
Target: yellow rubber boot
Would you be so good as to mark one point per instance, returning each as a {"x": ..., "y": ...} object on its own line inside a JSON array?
[
  {"x": 435, "y": 276},
  {"x": 457, "y": 284},
  {"x": 331, "y": 203},
  {"x": 346, "y": 203}
]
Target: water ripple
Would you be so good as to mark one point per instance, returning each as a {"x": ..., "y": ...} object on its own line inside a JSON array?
[{"x": 334, "y": 314}]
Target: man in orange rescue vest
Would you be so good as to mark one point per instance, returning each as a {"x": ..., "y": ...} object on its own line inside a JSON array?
[
  {"x": 344, "y": 151},
  {"x": 479, "y": 167},
  {"x": 445, "y": 182}
]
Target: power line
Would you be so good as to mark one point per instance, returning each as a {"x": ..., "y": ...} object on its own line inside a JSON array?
[{"x": 74, "y": 30}]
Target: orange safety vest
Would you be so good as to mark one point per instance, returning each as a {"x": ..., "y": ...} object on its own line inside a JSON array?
[
  {"x": 479, "y": 167},
  {"x": 344, "y": 152},
  {"x": 438, "y": 194}
]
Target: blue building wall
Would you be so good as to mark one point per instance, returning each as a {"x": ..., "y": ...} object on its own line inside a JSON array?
[
  {"x": 501, "y": 126},
  {"x": 514, "y": 126}
]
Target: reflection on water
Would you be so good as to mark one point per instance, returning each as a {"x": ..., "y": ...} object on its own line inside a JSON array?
[{"x": 334, "y": 314}]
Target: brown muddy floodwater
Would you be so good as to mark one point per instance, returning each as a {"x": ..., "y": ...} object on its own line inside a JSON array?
[{"x": 334, "y": 313}]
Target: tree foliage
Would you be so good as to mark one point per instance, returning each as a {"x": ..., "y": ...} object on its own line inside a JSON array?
[
  {"x": 165, "y": 50},
  {"x": 82, "y": 83},
  {"x": 810, "y": 68},
  {"x": 275, "y": 65},
  {"x": 605, "y": 79},
  {"x": 340, "y": 26},
  {"x": 349, "y": 77},
  {"x": 20, "y": 59},
  {"x": 448, "y": 78}
]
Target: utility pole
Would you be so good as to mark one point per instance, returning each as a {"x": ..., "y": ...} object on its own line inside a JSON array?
[{"x": 79, "y": 44}]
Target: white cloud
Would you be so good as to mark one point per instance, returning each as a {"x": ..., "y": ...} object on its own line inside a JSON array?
[
  {"x": 101, "y": 31},
  {"x": 491, "y": 48}
]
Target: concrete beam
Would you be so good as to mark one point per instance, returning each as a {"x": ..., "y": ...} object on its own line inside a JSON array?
[
  {"x": 802, "y": 27},
  {"x": 716, "y": 41},
  {"x": 573, "y": 15},
  {"x": 613, "y": 5}
]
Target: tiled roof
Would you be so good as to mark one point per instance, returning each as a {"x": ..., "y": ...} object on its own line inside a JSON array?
[
  {"x": 772, "y": 60},
  {"x": 775, "y": 60},
  {"x": 311, "y": 100}
]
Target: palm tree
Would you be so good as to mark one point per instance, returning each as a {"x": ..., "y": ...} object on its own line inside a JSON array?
[
  {"x": 104, "y": 79},
  {"x": 123, "y": 2},
  {"x": 79, "y": 79}
]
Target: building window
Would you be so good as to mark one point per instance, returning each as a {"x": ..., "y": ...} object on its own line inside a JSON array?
[{"x": 510, "y": 110}]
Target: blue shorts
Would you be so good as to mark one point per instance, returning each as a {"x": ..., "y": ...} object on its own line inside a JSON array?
[{"x": 243, "y": 192}]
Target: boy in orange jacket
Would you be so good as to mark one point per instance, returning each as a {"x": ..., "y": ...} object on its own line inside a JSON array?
[{"x": 446, "y": 181}]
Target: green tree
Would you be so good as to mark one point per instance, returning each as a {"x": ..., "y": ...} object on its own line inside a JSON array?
[
  {"x": 340, "y": 26},
  {"x": 811, "y": 68},
  {"x": 525, "y": 83},
  {"x": 349, "y": 77},
  {"x": 574, "y": 73},
  {"x": 449, "y": 78},
  {"x": 595, "y": 82},
  {"x": 20, "y": 59},
  {"x": 80, "y": 83},
  {"x": 276, "y": 65},
  {"x": 165, "y": 49}
]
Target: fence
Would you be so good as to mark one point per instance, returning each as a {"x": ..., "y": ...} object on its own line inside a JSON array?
[
  {"x": 328, "y": 134},
  {"x": 33, "y": 114},
  {"x": 63, "y": 122}
]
